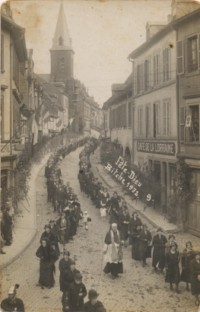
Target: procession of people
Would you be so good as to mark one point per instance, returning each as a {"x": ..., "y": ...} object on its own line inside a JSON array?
[{"x": 124, "y": 229}]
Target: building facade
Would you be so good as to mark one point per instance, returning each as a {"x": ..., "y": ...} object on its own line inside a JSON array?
[
  {"x": 155, "y": 108},
  {"x": 118, "y": 117},
  {"x": 188, "y": 81},
  {"x": 14, "y": 97}
]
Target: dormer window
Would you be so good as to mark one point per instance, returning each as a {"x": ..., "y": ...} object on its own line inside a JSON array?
[{"x": 60, "y": 41}]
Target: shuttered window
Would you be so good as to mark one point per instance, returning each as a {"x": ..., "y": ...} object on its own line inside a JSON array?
[
  {"x": 2, "y": 53},
  {"x": 182, "y": 124},
  {"x": 180, "y": 57}
]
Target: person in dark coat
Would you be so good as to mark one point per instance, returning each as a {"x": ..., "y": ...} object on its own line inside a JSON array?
[
  {"x": 93, "y": 305},
  {"x": 77, "y": 293},
  {"x": 48, "y": 235},
  {"x": 8, "y": 222},
  {"x": 64, "y": 265},
  {"x": 47, "y": 266},
  {"x": 114, "y": 209},
  {"x": 69, "y": 276},
  {"x": 172, "y": 267},
  {"x": 195, "y": 278},
  {"x": 144, "y": 243},
  {"x": 187, "y": 256},
  {"x": 63, "y": 225},
  {"x": 12, "y": 303},
  {"x": 159, "y": 242},
  {"x": 124, "y": 225},
  {"x": 135, "y": 227}
]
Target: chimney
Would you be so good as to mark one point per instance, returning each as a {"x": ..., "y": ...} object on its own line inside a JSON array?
[
  {"x": 183, "y": 7},
  {"x": 117, "y": 88},
  {"x": 153, "y": 28}
]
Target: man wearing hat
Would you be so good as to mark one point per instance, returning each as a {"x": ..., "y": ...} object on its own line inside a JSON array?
[
  {"x": 12, "y": 303},
  {"x": 77, "y": 293},
  {"x": 93, "y": 305}
]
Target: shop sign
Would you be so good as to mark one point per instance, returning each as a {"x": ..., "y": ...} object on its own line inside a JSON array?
[{"x": 165, "y": 148}]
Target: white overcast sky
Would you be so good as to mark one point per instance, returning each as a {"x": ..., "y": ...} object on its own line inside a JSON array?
[{"x": 103, "y": 34}]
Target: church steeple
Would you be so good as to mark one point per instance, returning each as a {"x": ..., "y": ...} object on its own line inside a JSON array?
[
  {"x": 61, "y": 39},
  {"x": 61, "y": 51}
]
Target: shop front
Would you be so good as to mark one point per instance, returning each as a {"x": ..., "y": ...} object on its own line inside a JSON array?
[{"x": 159, "y": 158}]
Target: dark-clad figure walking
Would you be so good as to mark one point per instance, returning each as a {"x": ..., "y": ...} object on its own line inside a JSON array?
[
  {"x": 68, "y": 276},
  {"x": 8, "y": 223},
  {"x": 159, "y": 242},
  {"x": 77, "y": 293},
  {"x": 12, "y": 303},
  {"x": 47, "y": 257},
  {"x": 113, "y": 252},
  {"x": 195, "y": 278},
  {"x": 135, "y": 227},
  {"x": 187, "y": 256},
  {"x": 64, "y": 266},
  {"x": 93, "y": 305},
  {"x": 144, "y": 244},
  {"x": 172, "y": 267}
]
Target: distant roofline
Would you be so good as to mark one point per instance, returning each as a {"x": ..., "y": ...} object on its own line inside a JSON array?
[{"x": 169, "y": 27}]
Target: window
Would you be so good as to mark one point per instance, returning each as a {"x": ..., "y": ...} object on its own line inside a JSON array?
[
  {"x": 166, "y": 117},
  {"x": 192, "y": 49},
  {"x": 15, "y": 68},
  {"x": 140, "y": 121},
  {"x": 180, "y": 57},
  {"x": 166, "y": 64},
  {"x": 129, "y": 115},
  {"x": 182, "y": 124},
  {"x": 192, "y": 123},
  {"x": 2, "y": 53},
  {"x": 156, "y": 119},
  {"x": 156, "y": 61},
  {"x": 148, "y": 120},
  {"x": 2, "y": 116},
  {"x": 139, "y": 78},
  {"x": 146, "y": 75},
  {"x": 60, "y": 41}
]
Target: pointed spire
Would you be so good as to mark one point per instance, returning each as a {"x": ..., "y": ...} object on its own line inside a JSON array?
[{"x": 61, "y": 40}]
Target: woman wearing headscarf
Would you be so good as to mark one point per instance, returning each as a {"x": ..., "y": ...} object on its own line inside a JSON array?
[
  {"x": 135, "y": 226},
  {"x": 187, "y": 256},
  {"x": 113, "y": 252},
  {"x": 195, "y": 278},
  {"x": 46, "y": 254},
  {"x": 172, "y": 267}
]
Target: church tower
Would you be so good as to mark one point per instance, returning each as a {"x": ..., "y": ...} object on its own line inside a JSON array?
[{"x": 61, "y": 51}]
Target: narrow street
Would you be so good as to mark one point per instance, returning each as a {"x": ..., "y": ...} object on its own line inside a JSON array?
[{"x": 137, "y": 290}]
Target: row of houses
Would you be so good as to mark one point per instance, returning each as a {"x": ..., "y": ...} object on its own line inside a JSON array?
[
  {"x": 154, "y": 115},
  {"x": 37, "y": 106}
]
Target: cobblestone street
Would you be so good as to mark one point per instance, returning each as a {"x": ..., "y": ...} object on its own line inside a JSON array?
[{"x": 137, "y": 290}]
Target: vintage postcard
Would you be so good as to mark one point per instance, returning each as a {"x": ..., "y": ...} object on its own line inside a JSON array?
[{"x": 100, "y": 156}]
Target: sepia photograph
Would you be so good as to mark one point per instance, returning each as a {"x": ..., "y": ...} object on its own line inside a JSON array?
[{"x": 100, "y": 156}]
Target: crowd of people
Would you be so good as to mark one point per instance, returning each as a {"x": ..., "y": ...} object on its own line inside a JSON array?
[
  {"x": 55, "y": 237},
  {"x": 124, "y": 230},
  {"x": 128, "y": 229}
]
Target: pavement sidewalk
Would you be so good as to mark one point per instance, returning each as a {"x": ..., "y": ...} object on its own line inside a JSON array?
[
  {"x": 25, "y": 229},
  {"x": 150, "y": 214}
]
